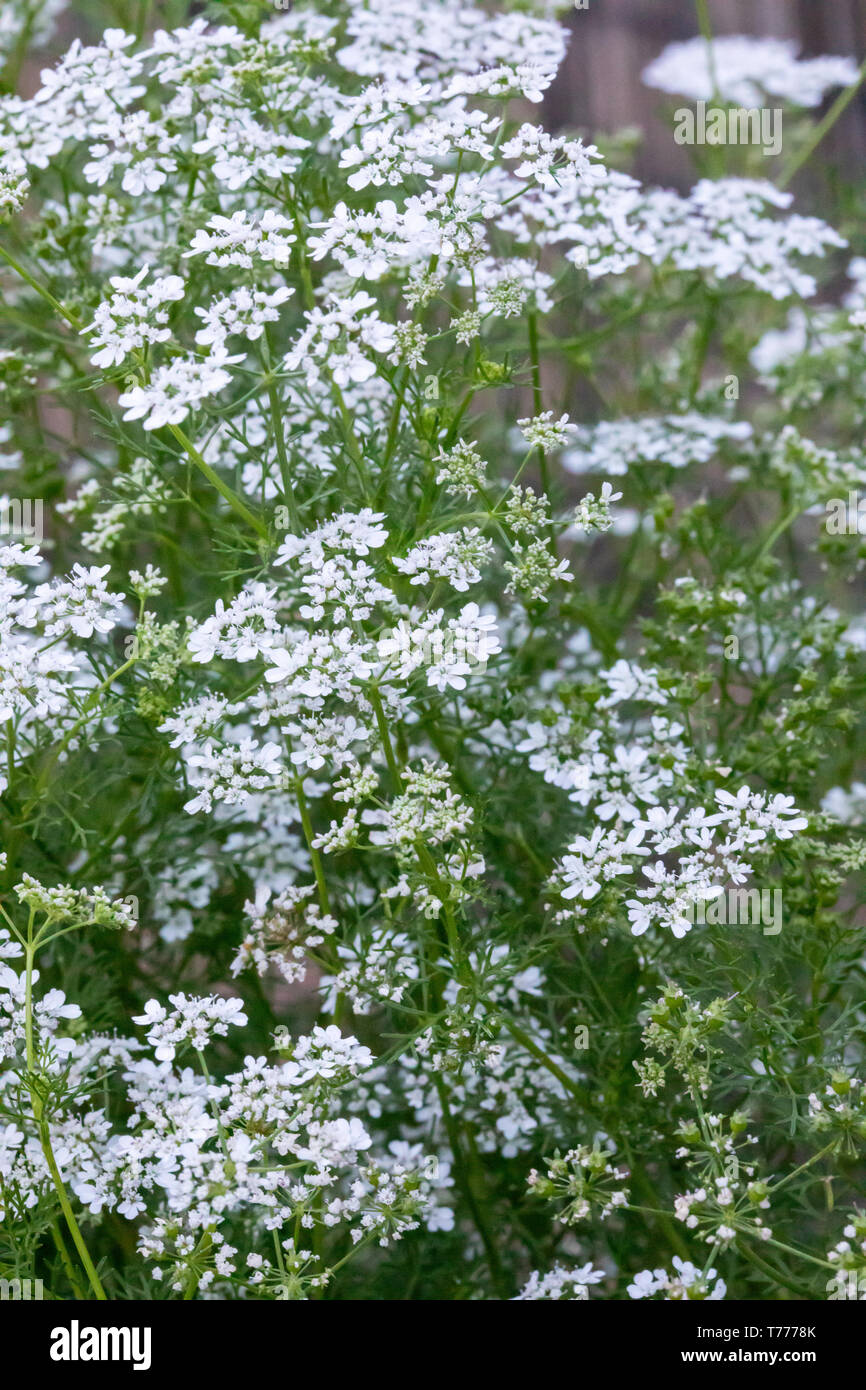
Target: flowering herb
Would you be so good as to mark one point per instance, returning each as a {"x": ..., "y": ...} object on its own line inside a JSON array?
[{"x": 429, "y": 661}]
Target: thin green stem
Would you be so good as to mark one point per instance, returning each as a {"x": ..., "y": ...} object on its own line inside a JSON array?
[
  {"x": 791, "y": 1250},
  {"x": 574, "y": 1087},
  {"x": 315, "y": 857},
  {"x": 823, "y": 127},
  {"x": 42, "y": 1124},
  {"x": 464, "y": 1182},
  {"x": 60, "y": 1245},
  {"x": 40, "y": 289},
  {"x": 385, "y": 736},
  {"x": 706, "y": 28},
  {"x": 237, "y": 506},
  {"x": 65, "y": 1207},
  {"x": 38, "y": 1111},
  {"x": 780, "y": 527},
  {"x": 543, "y": 467}
]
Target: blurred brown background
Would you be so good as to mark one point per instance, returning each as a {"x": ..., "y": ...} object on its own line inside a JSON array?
[{"x": 599, "y": 87}]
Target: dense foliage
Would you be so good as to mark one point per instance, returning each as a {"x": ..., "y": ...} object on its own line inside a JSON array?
[{"x": 431, "y": 670}]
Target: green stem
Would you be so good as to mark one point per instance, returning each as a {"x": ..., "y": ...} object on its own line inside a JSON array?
[
  {"x": 467, "y": 1191},
  {"x": 354, "y": 448},
  {"x": 578, "y": 1091},
  {"x": 770, "y": 1273},
  {"x": 28, "y": 1002},
  {"x": 280, "y": 437},
  {"x": 316, "y": 858},
  {"x": 801, "y": 1169},
  {"x": 800, "y": 1254},
  {"x": 821, "y": 129},
  {"x": 543, "y": 468},
  {"x": 42, "y": 1123},
  {"x": 201, "y": 1248},
  {"x": 216, "y": 481},
  {"x": 60, "y": 1243},
  {"x": 74, "y": 1231},
  {"x": 385, "y": 736},
  {"x": 283, "y": 458},
  {"x": 706, "y": 29},
  {"x": 780, "y": 527},
  {"x": 40, "y": 289}
]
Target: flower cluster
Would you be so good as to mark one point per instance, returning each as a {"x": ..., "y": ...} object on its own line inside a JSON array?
[{"x": 422, "y": 637}]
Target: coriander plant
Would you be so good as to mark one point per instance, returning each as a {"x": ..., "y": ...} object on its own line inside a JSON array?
[{"x": 432, "y": 663}]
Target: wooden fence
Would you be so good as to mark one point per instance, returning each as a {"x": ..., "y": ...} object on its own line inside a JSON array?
[{"x": 599, "y": 87}]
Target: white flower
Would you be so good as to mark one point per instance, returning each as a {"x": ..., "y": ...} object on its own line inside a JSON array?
[
  {"x": 190, "y": 1020},
  {"x": 176, "y": 388},
  {"x": 240, "y": 239},
  {"x": 544, "y": 432},
  {"x": 745, "y": 70}
]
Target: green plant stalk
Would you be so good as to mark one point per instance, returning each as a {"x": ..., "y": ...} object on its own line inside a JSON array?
[
  {"x": 522, "y": 1037},
  {"x": 316, "y": 858},
  {"x": 42, "y": 1126},
  {"x": 40, "y": 289},
  {"x": 237, "y": 506},
  {"x": 57, "y": 1237},
  {"x": 822, "y": 128},
  {"x": 475, "y": 1207},
  {"x": 543, "y": 467}
]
